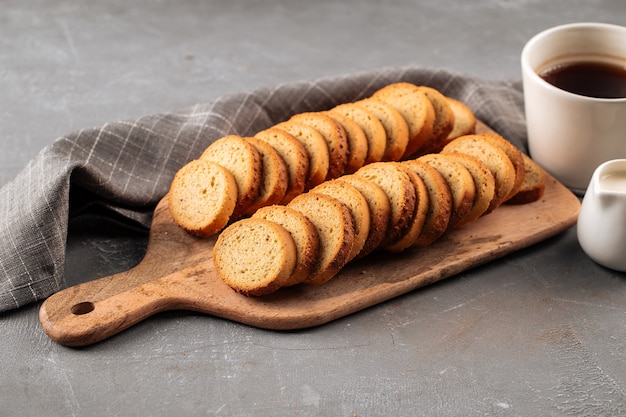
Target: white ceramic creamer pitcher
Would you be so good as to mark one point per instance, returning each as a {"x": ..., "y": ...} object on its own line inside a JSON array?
[{"x": 602, "y": 217}]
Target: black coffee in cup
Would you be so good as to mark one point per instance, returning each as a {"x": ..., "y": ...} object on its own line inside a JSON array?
[{"x": 588, "y": 78}]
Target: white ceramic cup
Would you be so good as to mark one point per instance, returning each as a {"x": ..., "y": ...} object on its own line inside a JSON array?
[{"x": 570, "y": 135}]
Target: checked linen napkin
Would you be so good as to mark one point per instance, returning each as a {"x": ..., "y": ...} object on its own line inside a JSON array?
[{"x": 127, "y": 166}]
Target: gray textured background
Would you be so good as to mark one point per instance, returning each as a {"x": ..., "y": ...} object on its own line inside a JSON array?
[{"x": 540, "y": 332}]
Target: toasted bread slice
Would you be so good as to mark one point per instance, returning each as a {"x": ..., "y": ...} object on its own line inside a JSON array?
[
  {"x": 464, "y": 119},
  {"x": 443, "y": 123},
  {"x": 316, "y": 147},
  {"x": 304, "y": 235},
  {"x": 254, "y": 256},
  {"x": 274, "y": 176},
  {"x": 460, "y": 182},
  {"x": 494, "y": 158},
  {"x": 242, "y": 159},
  {"x": 439, "y": 202},
  {"x": 380, "y": 211},
  {"x": 357, "y": 141},
  {"x": 514, "y": 154},
  {"x": 335, "y": 227},
  {"x": 416, "y": 109},
  {"x": 295, "y": 156},
  {"x": 356, "y": 202},
  {"x": 534, "y": 184},
  {"x": 401, "y": 193},
  {"x": 335, "y": 137},
  {"x": 422, "y": 206},
  {"x": 372, "y": 127},
  {"x": 202, "y": 197},
  {"x": 484, "y": 183},
  {"x": 396, "y": 127}
]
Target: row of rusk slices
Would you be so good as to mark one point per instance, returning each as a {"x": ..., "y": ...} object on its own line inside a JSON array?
[{"x": 296, "y": 202}]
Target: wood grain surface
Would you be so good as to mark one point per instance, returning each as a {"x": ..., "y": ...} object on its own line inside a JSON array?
[{"x": 177, "y": 273}]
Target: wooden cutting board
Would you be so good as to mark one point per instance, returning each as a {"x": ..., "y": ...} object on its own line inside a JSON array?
[{"x": 177, "y": 273}]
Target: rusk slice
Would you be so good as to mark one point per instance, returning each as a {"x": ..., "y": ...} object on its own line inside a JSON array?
[
  {"x": 352, "y": 198},
  {"x": 416, "y": 109},
  {"x": 514, "y": 155},
  {"x": 357, "y": 141},
  {"x": 371, "y": 126},
  {"x": 464, "y": 119},
  {"x": 202, "y": 197},
  {"x": 335, "y": 137},
  {"x": 242, "y": 159},
  {"x": 304, "y": 236},
  {"x": 295, "y": 156},
  {"x": 274, "y": 176},
  {"x": 395, "y": 125},
  {"x": 439, "y": 202},
  {"x": 484, "y": 183},
  {"x": 316, "y": 147},
  {"x": 494, "y": 158},
  {"x": 254, "y": 256},
  {"x": 401, "y": 193},
  {"x": 380, "y": 211},
  {"x": 443, "y": 123},
  {"x": 335, "y": 228},
  {"x": 534, "y": 184},
  {"x": 460, "y": 182},
  {"x": 419, "y": 215}
]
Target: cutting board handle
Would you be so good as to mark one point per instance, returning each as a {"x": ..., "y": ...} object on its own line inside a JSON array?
[
  {"x": 93, "y": 311},
  {"x": 172, "y": 275}
]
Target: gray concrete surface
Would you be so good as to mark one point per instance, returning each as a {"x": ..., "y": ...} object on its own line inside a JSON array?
[{"x": 538, "y": 333}]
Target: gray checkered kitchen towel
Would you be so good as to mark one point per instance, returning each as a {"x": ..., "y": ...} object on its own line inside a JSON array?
[{"x": 128, "y": 165}]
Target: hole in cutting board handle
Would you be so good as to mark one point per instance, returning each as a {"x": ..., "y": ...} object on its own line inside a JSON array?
[{"x": 82, "y": 308}]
